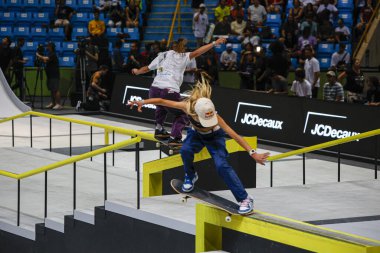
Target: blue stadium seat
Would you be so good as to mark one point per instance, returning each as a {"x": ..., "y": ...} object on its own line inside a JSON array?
[
  {"x": 324, "y": 62},
  {"x": 47, "y": 6},
  {"x": 326, "y": 48},
  {"x": 68, "y": 48},
  {"x": 273, "y": 19},
  {"x": 133, "y": 33},
  {"x": 58, "y": 47},
  {"x": 80, "y": 19},
  {"x": 289, "y": 6},
  {"x": 71, "y": 3},
  {"x": 348, "y": 48},
  {"x": 40, "y": 18},
  {"x": 345, "y": 5},
  {"x": 56, "y": 33},
  {"x": 275, "y": 31},
  {"x": 7, "y": 18},
  {"x": 30, "y": 61},
  {"x": 30, "y": 47},
  {"x": 6, "y": 31},
  {"x": 126, "y": 47},
  {"x": 347, "y": 18},
  {"x": 112, "y": 32},
  {"x": 24, "y": 18},
  {"x": 85, "y": 5},
  {"x": 31, "y": 5},
  {"x": 66, "y": 61},
  {"x": 236, "y": 48},
  {"x": 220, "y": 48},
  {"x": 294, "y": 62},
  {"x": 21, "y": 32},
  {"x": 14, "y": 5},
  {"x": 79, "y": 32},
  {"x": 38, "y": 33}
]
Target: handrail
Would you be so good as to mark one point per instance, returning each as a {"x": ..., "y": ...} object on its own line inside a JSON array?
[
  {"x": 71, "y": 159},
  {"x": 364, "y": 35},
  {"x": 177, "y": 9},
  {"x": 325, "y": 145}
]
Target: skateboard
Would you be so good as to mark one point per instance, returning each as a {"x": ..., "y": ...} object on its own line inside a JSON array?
[
  {"x": 223, "y": 204},
  {"x": 209, "y": 34},
  {"x": 164, "y": 142}
]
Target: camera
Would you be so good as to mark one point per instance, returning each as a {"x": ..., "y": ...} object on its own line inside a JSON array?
[{"x": 40, "y": 50}]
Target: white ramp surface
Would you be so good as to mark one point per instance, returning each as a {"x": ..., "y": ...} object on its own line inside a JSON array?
[{"x": 10, "y": 105}]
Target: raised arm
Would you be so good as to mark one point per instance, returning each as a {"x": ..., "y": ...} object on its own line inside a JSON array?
[
  {"x": 158, "y": 101},
  {"x": 205, "y": 48},
  {"x": 141, "y": 70},
  {"x": 260, "y": 158}
]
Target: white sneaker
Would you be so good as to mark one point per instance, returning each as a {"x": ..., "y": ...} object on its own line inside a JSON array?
[
  {"x": 246, "y": 206},
  {"x": 57, "y": 107},
  {"x": 49, "y": 106}
]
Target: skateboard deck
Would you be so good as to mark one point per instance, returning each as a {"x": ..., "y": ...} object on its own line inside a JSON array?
[
  {"x": 172, "y": 149},
  {"x": 209, "y": 34},
  {"x": 221, "y": 203}
]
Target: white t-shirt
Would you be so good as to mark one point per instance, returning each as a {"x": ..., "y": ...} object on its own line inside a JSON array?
[
  {"x": 200, "y": 26},
  {"x": 190, "y": 77},
  {"x": 301, "y": 89},
  {"x": 335, "y": 58},
  {"x": 343, "y": 30},
  {"x": 258, "y": 13},
  {"x": 306, "y": 2},
  {"x": 170, "y": 68},
  {"x": 311, "y": 67},
  {"x": 228, "y": 57},
  {"x": 329, "y": 7}
]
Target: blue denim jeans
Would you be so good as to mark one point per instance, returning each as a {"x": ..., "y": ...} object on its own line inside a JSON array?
[{"x": 216, "y": 146}]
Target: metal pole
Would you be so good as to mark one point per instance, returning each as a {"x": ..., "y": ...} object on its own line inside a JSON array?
[
  {"x": 18, "y": 202},
  {"x": 271, "y": 174},
  {"x": 13, "y": 133},
  {"x": 50, "y": 135},
  {"x": 105, "y": 177},
  {"x": 113, "y": 151},
  {"x": 303, "y": 168},
  {"x": 31, "y": 132},
  {"x": 46, "y": 180},
  {"x": 70, "y": 138},
  {"x": 137, "y": 165},
  {"x": 74, "y": 186},
  {"x": 91, "y": 141},
  {"x": 338, "y": 163},
  {"x": 376, "y": 152}
]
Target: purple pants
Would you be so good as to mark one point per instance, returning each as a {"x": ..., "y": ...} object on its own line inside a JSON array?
[{"x": 180, "y": 120}]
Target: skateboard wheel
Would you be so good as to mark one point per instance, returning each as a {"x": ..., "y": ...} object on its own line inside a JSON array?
[
  {"x": 184, "y": 200},
  {"x": 228, "y": 219},
  {"x": 171, "y": 152}
]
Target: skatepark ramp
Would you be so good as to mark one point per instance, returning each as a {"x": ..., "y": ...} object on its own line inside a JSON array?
[{"x": 10, "y": 105}]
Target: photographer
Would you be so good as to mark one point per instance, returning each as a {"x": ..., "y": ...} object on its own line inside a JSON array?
[
  {"x": 5, "y": 56},
  {"x": 18, "y": 62},
  {"x": 90, "y": 53},
  {"x": 52, "y": 74}
]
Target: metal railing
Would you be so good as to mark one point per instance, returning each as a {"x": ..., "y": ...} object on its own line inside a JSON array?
[
  {"x": 177, "y": 12},
  {"x": 137, "y": 137},
  {"x": 325, "y": 145}
]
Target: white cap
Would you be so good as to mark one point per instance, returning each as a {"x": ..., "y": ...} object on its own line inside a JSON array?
[
  {"x": 205, "y": 110},
  {"x": 202, "y": 5}
]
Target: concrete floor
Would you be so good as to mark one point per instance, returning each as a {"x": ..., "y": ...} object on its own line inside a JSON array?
[{"x": 351, "y": 206}]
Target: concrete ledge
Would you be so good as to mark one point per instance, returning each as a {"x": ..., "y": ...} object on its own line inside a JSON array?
[
  {"x": 20, "y": 231},
  {"x": 150, "y": 217},
  {"x": 55, "y": 224},
  {"x": 85, "y": 215}
]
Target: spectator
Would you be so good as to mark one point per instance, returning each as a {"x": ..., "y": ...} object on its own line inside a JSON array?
[
  {"x": 228, "y": 59},
  {"x": 96, "y": 27},
  {"x": 306, "y": 39},
  {"x": 238, "y": 26},
  {"x": 189, "y": 75},
  {"x": 222, "y": 11},
  {"x": 307, "y": 2},
  {"x": 134, "y": 58},
  {"x": 312, "y": 71},
  {"x": 237, "y": 11},
  {"x": 63, "y": 13},
  {"x": 296, "y": 12},
  {"x": 223, "y": 28},
  {"x": 209, "y": 63},
  {"x": 311, "y": 24},
  {"x": 154, "y": 50},
  {"x": 115, "y": 15},
  {"x": 301, "y": 87},
  {"x": 105, "y": 5},
  {"x": 289, "y": 32},
  {"x": 18, "y": 62},
  {"x": 308, "y": 10},
  {"x": 5, "y": 56},
  {"x": 340, "y": 59},
  {"x": 354, "y": 82},
  {"x": 326, "y": 32},
  {"x": 118, "y": 63},
  {"x": 132, "y": 12},
  {"x": 91, "y": 56},
  {"x": 200, "y": 22},
  {"x": 260, "y": 63},
  {"x": 278, "y": 65},
  {"x": 257, "y": 13},
  {"x": 373, "y": 92},
  {"x": 332, "y": 90},
  {"x": 326, "y": 11},
  {"x": 247, "y": 67},
  {"x": 250, "y": 37},
  {"x": 365, "y": 15},
  {"x": 52, "y": 74},
  {"x": 274, "y": 6},
  {"x": 195, "y": 4},
  {"x": 342, "y": 32}
]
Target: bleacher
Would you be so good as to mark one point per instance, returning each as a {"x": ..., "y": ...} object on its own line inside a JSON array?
[{"x": 33, "y": 20}]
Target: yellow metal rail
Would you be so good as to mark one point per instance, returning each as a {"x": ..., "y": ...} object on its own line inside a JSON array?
[
  {"x": 177, "y": 12},
  {"x": 325, "y": 145}
]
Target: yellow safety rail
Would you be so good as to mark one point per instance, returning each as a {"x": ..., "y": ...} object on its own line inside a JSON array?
[
  {"x": 138, "y": 136},
  {"x": 325, "y": 145},
  {"x": 177, "y": 12}
]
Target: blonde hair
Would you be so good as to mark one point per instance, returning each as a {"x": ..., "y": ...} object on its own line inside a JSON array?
[{"x": 201, "y": 89}]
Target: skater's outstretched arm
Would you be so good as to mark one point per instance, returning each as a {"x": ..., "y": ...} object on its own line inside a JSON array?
[
  {"x": 157, "y": 101},
  {"x": 260, "y": 158}
]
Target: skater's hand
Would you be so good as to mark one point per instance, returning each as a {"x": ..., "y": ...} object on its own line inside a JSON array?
[
  {"x": 261, "y": 158},
  {"x": 134, "y": 71},
  {"x": 138, "y": 103},
  {"x": 220, "y": 41}
]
